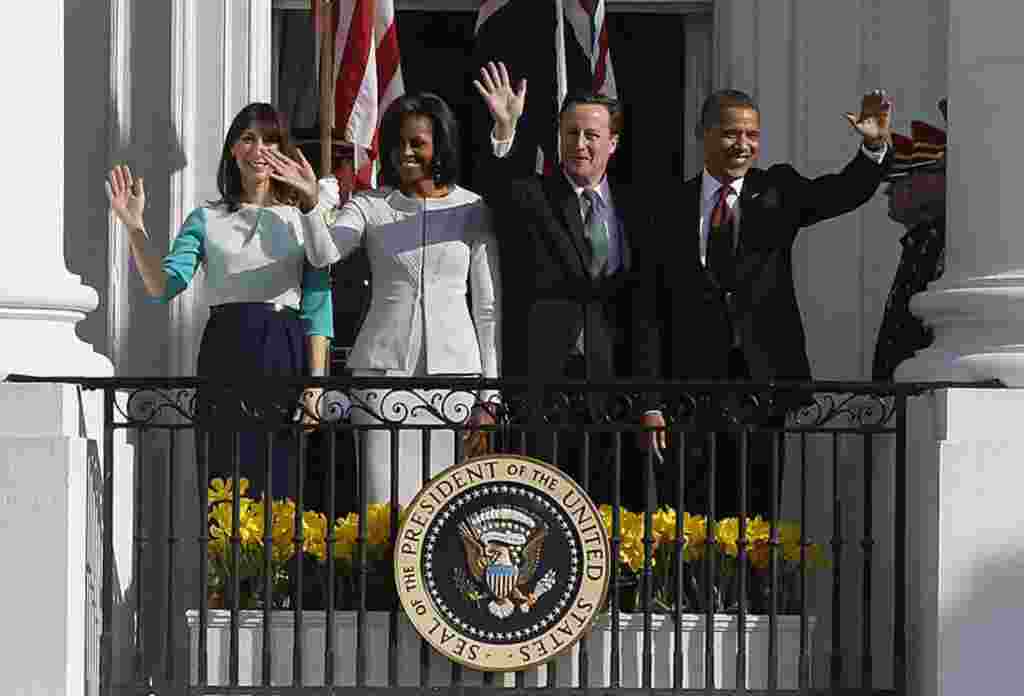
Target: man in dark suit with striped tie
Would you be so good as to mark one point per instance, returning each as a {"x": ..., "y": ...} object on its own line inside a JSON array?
[
  {"x": 721, "y": 286},
  {"x": 568, "y": 275}
]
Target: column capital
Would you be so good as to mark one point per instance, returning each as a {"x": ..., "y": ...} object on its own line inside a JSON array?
[{"x": 977, "y": 309}]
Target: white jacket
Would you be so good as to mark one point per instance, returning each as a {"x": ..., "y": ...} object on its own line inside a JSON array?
[{"x": 421, "y": 252}]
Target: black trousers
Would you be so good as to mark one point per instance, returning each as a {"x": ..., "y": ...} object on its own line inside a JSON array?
[
  {"x": 598, "y": 460},
  {"x": 718, "y": 447}
]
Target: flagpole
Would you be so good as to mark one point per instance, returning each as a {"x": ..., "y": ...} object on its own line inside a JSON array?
[
  {"x": 561, "y": 73},
  {"x": 561, "y": 80},
  {"x": 326, "y": 27}
]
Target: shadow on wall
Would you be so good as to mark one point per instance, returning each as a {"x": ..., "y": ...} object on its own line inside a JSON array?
[
  {"x": 979, "y": 632},
  {"x": 87, "y": 107},
  {"x": 94, "y": 141}
]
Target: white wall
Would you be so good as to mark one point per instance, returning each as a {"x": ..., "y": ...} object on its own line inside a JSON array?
[{"x": 807, "y": 62}]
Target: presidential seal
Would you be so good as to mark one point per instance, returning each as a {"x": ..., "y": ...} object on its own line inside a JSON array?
[{"x": 502, "y": 562}]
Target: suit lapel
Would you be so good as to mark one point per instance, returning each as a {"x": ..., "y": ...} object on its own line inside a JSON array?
[
  {"x": 563, "y": 200},
  {"x": 622, "y": 200},
  {"x": 753, "y": 186},
  {"x": 689, "y": 242}
]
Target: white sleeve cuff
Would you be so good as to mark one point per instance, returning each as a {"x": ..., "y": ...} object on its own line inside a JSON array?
[
  {"x": 320, "y": 248},
  {"x": 501, "y": 148},
  {"x": 875, "y": 156}
]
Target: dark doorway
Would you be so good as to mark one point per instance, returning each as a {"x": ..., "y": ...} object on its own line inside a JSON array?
[
  {"x": 647, "y": 55},
  {"x": 437, "y": 51}
]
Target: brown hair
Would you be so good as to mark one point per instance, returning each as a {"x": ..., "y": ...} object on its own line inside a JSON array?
[
  {"x": 273, "y": 127},
  {"x": 616, "y": 117}
]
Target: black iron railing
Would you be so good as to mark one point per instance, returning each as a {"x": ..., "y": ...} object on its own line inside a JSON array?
[{"x": 233, "y": 593}]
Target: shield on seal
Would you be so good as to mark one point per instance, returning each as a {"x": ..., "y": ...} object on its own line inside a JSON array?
[{"x": 501, "y": 578}]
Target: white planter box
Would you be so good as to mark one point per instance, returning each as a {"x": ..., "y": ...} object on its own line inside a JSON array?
[
  {"x": 631, "y": 652},
  {"x": 250, "y": 658},
  {"x": 314, "y": 623}
]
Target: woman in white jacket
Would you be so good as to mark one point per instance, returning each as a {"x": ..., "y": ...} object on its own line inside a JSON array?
[{"x": 425, "y": 237}]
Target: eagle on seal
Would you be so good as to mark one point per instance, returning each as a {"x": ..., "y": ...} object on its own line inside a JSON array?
[{"x": 503, "y": 546}]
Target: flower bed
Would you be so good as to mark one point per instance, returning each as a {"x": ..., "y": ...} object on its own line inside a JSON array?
[{"x": 720, "y": 554}]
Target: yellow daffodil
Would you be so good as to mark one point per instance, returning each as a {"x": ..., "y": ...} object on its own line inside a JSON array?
[
  {"x": 346, "y": 529},
  {"x": 663, "y": 522},
  {"x": 222, "y": 490},
  {"x": 378, "y": 524},
  {"x": 696, "y": 534},
  {"x": 250, "y": 521},
  {"x": 727, "y": 533},
  {"x": 314, "y": 532}
]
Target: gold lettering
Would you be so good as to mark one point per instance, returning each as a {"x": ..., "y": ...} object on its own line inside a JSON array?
[
  {"x": 475, "y": 472},
  {"x": 446, "y": 488}
]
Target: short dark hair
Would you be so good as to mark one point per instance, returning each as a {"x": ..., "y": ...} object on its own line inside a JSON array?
[
  {"x": 445, "y": 166},
  {"x": 711, "y": 111},
  {"x": 616, "y": 117},
  {"x": 273, "y": 127}
]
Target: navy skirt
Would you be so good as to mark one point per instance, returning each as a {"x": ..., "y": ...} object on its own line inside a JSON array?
[{"x": 243, "y": 342}]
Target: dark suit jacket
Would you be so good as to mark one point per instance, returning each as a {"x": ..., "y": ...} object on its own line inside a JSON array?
[
  {"x": 546, "y": 288},
  {"x": 697, "y": 318}
]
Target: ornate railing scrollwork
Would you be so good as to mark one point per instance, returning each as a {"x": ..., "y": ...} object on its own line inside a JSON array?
[{"x": 398, "y": 401}]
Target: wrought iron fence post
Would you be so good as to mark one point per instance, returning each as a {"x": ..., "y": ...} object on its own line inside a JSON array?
[{"x": 107, "y": 591}]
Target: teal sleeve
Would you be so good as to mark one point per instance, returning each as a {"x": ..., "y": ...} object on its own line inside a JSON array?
[
  {"x": 317, "y": 306},
  {"x": 187, "y": 252}
]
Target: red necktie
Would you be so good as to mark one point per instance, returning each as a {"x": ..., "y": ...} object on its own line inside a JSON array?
[
  {"x": 721, "y": 257},
  {"x": 722, "y": 214}
]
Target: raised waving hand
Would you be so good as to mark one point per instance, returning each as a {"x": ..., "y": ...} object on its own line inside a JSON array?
[
  {"x": 505, "y": 103},
  {"x": 297, "y": 173},
  {"x": 875, "y": 118},
  {"x": 127, "y": 196}
]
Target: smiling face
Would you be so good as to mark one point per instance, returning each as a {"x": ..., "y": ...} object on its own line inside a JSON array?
[
  {"x": 415, "y": 151},
  {"x": 732, "y": 146},
  {"x": 249, "y": 152},
  {"x": 587, "y": 143}
]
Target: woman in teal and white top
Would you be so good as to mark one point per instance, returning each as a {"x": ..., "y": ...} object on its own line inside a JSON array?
[{"x": 265, "y": 300}]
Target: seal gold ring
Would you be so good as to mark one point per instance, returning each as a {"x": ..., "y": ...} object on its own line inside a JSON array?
[{"x": 502, "y": 562}]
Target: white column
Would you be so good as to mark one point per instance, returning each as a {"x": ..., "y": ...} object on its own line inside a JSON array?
[
  {"x": 977, "y": 308},
  {"x": 965, "y": 542},
  {"x": 50, "y": 463},
  {"x": 40, "y": 301}
]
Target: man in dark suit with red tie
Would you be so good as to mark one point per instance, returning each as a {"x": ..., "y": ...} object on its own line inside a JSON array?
[
  {"x": 568, "y": 277},
  {"x": 721, "y": 283}
]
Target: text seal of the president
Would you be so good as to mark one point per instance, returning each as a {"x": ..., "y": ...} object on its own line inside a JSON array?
[{"x": 502, "y": 562}]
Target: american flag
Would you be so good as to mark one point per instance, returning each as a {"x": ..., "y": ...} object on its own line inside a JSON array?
[{"x": 368, "y": 75}]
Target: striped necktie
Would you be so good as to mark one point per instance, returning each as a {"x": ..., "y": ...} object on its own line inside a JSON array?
[
  {"x": 721, "y": 255},
  {"x": 596, "y": 231}
]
